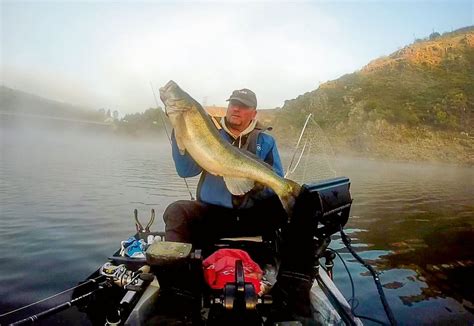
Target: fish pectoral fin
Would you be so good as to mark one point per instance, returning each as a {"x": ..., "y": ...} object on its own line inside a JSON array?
[
  {"x": 181, "y": 147},
  {"x": 238, "y": 186}
]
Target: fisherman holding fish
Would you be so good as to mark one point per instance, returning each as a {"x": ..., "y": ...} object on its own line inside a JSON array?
[
  {"x": 241, "y": 191},
  {"x": 218, "y": 213}
]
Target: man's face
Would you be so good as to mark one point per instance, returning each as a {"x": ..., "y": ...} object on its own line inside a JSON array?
[{"x": 239, "y": 116}]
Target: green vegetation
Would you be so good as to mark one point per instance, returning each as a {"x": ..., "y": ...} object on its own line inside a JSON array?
[
  {"x": 416, "y": 103},
  {"x": 20, "y": 105},
  {"x": 436, "y": 90},
  {"x": 149, "y": 122},
  {"x": 429, "y": 83}
]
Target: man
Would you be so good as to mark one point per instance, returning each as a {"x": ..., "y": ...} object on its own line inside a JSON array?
[{"x": 217, "y": 213}]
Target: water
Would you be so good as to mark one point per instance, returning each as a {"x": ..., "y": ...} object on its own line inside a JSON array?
[
  {"x": 67, "y": 197},
  {"x": 415, "y": 223}
]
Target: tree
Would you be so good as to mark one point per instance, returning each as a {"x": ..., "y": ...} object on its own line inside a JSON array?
[{"x": 434, "y": 35}]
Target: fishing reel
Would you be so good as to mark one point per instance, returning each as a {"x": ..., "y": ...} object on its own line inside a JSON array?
[
  {"x": 125, "y": 278},
  {"x": 133, "y": 282}
]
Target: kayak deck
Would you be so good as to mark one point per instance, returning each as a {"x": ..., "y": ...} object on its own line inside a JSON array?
[{"x": 192, "y": 303}]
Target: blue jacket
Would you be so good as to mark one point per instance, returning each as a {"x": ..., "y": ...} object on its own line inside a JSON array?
[{"x": 213, "y": 189}]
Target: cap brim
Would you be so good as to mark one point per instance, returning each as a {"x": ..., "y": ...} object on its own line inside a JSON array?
[{"x": 241, "y": 100}]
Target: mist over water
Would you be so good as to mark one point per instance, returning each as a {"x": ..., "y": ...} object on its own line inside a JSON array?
[
  {"x": 67, "y": 196},
  {"x": 67, "y": 193}
]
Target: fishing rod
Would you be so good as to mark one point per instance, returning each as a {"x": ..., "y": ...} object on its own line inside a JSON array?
[
  {"x": 134, "y": 282},
  {"x": 168, "y": 135},
  {"x": 63, "y": 306},
  {"x": 31, "y": 319}
]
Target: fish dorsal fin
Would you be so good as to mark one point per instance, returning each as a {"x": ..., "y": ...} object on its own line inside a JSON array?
[{"x": 238, "y": 186}]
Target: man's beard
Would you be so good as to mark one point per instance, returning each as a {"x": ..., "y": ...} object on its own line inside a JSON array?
[{"x": 232, "y": 125}]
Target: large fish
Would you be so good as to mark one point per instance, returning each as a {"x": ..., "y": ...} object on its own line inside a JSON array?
[{"x": 196, "y": 134}]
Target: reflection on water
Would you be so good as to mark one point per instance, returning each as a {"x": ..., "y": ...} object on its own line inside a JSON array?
[
  {"x": 415, "y": 224},
  {"x": 66, "y": 201}
]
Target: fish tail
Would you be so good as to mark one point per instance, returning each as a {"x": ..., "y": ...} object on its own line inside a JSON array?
[{"x": 288, "y": 196}]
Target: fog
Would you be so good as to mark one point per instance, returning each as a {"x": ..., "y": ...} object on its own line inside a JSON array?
[{"x": 105, "y": 54}]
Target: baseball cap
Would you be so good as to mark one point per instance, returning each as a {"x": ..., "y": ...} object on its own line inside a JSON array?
[{"x": 245, "y": 96}]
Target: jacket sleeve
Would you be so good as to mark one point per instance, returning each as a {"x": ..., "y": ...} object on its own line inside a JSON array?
[
  {"x": 277, "y": 166},
  {"x": 273, "y": 158},
  {"x": 185, "y": 164}
]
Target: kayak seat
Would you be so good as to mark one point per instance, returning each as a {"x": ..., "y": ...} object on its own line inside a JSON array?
[{"x": 263, "y": 249}]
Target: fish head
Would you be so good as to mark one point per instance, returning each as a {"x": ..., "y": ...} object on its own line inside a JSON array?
[{"x": 176, "y": 100}]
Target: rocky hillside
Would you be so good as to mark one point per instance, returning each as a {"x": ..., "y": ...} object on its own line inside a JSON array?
[{"x": 417, "y": 103}]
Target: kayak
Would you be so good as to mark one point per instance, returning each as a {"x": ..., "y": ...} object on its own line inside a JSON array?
[
  {"x": 166, "y": 284},
  {"x": 175, "y": 293}
]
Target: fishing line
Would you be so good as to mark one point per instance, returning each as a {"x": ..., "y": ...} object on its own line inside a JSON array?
[
  {"x": 167, "y": 134},
  {"x": 161, "y": 113},
  {"x": 388, "y": 311}
]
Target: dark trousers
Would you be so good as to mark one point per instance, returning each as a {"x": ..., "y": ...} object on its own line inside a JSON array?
[{"x": 202, "y": 224}]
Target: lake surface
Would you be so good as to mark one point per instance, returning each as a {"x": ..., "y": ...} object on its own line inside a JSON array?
[{"x": 67, "y": 197}]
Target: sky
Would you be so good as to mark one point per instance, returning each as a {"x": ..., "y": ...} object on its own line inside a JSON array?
[{"x": 107, "y": 54}]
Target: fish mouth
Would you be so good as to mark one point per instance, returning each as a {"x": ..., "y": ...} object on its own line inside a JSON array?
[
  {"x": 168, "y": 95},
  {"x": 166, "y": 92},
  {"x": 173, "y": 97},
  {"x": 168, "y": 86}
]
